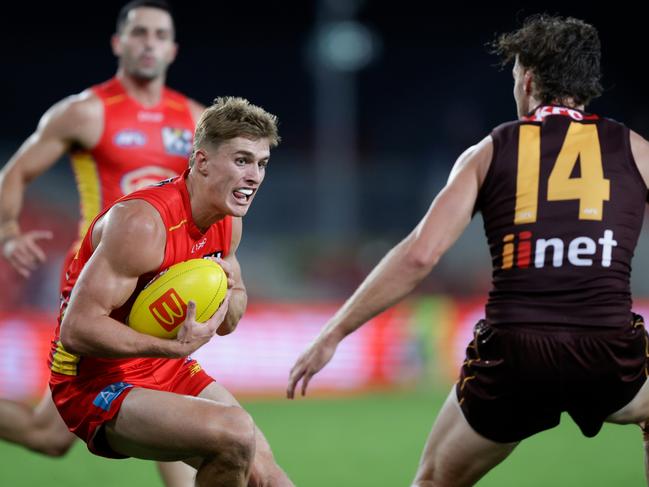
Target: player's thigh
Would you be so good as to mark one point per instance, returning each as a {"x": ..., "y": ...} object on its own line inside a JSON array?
[
  {"x": 636, "y": 411},
  {"x": 455, "y": 455},
  {"x": 159, "y": 425}
]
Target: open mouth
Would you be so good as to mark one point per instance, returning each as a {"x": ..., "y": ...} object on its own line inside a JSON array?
[{"x": 243, "y": 194}]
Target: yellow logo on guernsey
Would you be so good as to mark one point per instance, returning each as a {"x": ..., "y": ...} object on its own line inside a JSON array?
[
  {"x": 194, "y": 369},
  {"x": 64, "y": 362}
]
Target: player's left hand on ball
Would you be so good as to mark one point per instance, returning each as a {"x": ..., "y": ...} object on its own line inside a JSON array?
[
  {"x": 193, "y": 334},
  {"x": 310, "y": 363}
]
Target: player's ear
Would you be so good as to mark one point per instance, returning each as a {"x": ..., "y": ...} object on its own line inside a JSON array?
[
  {"x": 200, "y": 161},
  {"x": 528, "y": 81},
  {"x": 115, "y": 45},
  {"x": 173, "y": 53}
]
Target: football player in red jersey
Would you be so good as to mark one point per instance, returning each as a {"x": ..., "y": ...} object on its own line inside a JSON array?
[
  {"x": 120, "y": 135},
  {"x": 559, "y": 334},
  {"x": 130, "y": 394}
]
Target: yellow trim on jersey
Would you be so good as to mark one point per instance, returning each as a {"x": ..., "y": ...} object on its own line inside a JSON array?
[
  {"x": 176, "y": 227},
  {"x": 175, "y": 105},
  {"x": 114, "y": 99},
  {"x": 85, "y": 171},
  {"x": 64, "y": 362}
]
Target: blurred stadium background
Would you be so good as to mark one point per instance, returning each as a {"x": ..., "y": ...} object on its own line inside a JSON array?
[{"x": 376, "y": 99}]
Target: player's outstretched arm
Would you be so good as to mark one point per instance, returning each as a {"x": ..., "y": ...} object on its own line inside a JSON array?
[
  {"x": 76, "y": 120},
  {"x": 239, "y": 298},
  {"x": 405, "y": 265},
  {"x": 129, "y": 242},
  {"x": 640, "y": 150}
]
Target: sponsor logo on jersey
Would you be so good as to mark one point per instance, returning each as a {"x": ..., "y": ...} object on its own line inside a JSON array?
[
  {"x": 199, "y": 245},
  {"x": 129, "y": 138},
  {"x": 144, "y": 176},
  {"x": 169, "y": 310},
  {"x": 177, "y": 142},
  {"x": 522, "y": 251},
  {"x": 152, "y": 117},
  {"x": 108, "y": 394},
  {"x": 193, "y": 365}
]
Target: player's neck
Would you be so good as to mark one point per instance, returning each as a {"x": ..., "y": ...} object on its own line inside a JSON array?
[
  {"x": 145, "y": 92},
  {"x": 202, "y": 213},
  {"x": 569, "y": 103},
  {"x": 565, "y": 102}
]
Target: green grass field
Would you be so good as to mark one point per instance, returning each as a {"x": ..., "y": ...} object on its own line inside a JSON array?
[{"x": 367, "y": 441}]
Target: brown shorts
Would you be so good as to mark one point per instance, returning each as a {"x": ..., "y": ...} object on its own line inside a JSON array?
[{"x": 518, "y": 379}]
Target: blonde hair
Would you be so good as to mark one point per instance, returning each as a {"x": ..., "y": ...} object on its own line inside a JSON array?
[{"x": 229, "y": 117}]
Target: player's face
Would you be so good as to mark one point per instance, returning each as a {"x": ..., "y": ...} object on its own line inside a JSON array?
[
  {"x": 145, "y": 46},
  {"x": 236, "y": 169},
  {"x": 522, "y": 100}
]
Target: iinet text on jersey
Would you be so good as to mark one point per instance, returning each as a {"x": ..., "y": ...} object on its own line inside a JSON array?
[{"x": 518, "y": 250}]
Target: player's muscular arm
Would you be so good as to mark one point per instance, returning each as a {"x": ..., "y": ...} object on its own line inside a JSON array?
[
  {"x": 413, "y": 258},
  {"x": 77, "y": 120},
  {"x": 238, "y": 298},
  {"x": 406, "y": 264},
  {"x": 640, "y": 150},
  {"x": 129, "y": 241}
]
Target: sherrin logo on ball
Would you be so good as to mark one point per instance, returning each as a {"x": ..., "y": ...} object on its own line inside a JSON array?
[{"x": 161, "y": 306}]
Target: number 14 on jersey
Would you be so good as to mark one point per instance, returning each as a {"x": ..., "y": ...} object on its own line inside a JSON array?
[{"x": 590, "y": 188}]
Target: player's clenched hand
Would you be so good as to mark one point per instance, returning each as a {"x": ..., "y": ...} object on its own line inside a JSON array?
[
  {"x": 23, "y": 253},
  {"x": 310, "y": 363},
  {"x": 227, "y": 268},
  {"x": 193, "y": 334}
]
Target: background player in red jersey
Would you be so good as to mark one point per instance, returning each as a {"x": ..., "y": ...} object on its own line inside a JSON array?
[
  {"x": 129, "y": 394},
  {"x": 562, "y": 195},
  {"x": 122, "y": 134}
]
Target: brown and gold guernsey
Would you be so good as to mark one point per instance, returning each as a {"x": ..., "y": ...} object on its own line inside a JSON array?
[{"x": 563, "y": 204}]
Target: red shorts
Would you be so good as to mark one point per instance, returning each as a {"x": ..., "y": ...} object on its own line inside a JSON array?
[{"x": 87, "y": 403}]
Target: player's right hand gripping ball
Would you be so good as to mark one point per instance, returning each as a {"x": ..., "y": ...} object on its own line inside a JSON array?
[{"x": 161, "y": 306}]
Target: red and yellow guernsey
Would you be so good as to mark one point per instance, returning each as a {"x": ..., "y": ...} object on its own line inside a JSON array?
[
  {"x": 184, "y": 241},
  {"x": 139, "y": 146}
]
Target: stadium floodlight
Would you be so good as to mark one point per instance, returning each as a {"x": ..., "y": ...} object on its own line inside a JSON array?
[{"x": 346, "y": 45}]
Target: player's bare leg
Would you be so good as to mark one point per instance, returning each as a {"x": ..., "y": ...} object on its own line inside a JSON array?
[
  {"x": 163, "y": 426},
  {"x": 176, "y": 474},
  {"x": 645, "y": 440},
  {"x": 265, "y": 471},
  {"x": 455, "y": 455},
  {"x": 40, "y": 429},
  {"x": 637, "y": 411}
]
